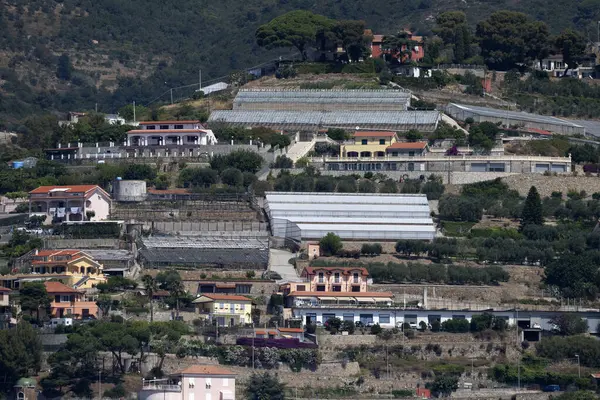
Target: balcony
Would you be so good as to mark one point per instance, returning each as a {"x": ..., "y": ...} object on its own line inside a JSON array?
[{"x": 162, "y": 385}]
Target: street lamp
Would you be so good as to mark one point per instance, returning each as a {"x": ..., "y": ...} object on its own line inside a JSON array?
[{"x": 578, "y": 365}]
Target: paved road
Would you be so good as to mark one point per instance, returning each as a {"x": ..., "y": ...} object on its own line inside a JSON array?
[{"x": 278, "y": 262}]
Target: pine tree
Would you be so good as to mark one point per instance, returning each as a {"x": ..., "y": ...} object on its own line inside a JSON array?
[{"x": 532, "y": 210}]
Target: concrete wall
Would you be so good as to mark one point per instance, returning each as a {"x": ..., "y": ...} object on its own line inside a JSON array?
[
  {"x": 216, "y": 227},
  {"x": 56, "y": 243}
]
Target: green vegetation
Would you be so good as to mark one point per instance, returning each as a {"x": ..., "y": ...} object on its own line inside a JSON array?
[
  {"x": 21, "y": 351},
  {"x": 264, "y": 386}
]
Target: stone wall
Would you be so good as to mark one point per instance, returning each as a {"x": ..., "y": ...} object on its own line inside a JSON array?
[
  {"x": 56, "y": 243},
  {"x": 545, "y": 185}
]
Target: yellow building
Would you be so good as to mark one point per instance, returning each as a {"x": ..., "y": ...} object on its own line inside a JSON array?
[
  {"x": 369, "y": 144},
  {"x": 224, "y": 309},
  {"x": 74, "y": 268}
]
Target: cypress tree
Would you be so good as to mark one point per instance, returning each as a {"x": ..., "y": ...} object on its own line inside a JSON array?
[{"x": 532, "y": 210}]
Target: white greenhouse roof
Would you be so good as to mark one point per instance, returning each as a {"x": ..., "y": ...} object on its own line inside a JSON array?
[
  {"x": 321, "y": 100},
  {"x": 324, "y": 118},
  {"x": 356, "y": 220},
  {"x": 361, "y": 228},
  {"x": 345, "y": 198},
  {"x": 321, "y": 93},
  {"x": 340, "y": 207},
  {"x": 519, "y": 115}
]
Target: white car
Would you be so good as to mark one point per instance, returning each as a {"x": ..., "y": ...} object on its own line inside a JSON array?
[{"x": 535, "y": 325}]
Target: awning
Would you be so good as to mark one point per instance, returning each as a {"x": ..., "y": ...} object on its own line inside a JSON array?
[
  {"x": 365, "y": 299},
  {"x": 345, "y": 298},
  {"x": 327, "y": 298},
  {"x": 227, "y": 395},
  {"x": 383, "y": 299}
]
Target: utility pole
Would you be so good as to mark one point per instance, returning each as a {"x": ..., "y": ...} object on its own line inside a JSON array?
[
  {"x": 519, "y": 358},
  {"x": 134, "y": 111},
  {"x": 171, "y": 95},
  {"x": 253, "y": 336},
  {"x": 200, "y": 79}
]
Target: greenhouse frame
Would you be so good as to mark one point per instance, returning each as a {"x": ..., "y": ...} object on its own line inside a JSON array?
[
  {"x": 398, "y": 121},
  {"x": 514, "y": 118},
  {"x": 310, "y": 216},
  {"x": 322, "y": 100}
]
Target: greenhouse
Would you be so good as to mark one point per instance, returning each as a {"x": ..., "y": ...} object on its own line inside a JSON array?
[
  {"x": 398, "y": 121},
  {"x": 514, "y": 119},
  {"x": 322, "y": 100},
  {"x": 310, "y": 216}
]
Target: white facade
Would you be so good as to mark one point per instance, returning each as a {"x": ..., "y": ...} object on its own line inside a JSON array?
[
  {"x": 395, "y": 317},
  {"x": 302, "y": 216},
  {"x": 165, "y": 133},
  {"x": 69, "y": 203}
]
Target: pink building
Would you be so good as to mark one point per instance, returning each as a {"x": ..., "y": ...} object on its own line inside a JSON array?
[
  {"x": 330, "y": 279},
  {"x": 169, "y": 133},
  {"x": 198, "y": 382}
]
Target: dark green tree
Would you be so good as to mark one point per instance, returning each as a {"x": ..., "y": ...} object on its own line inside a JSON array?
[
  {"x": 570, "y": 324},
  {"x": 20, "y": 354},
  {"x": 444, "y": 385},
  {"x": 265, "y": 386},
  {"x": 572, "y": 46},
  {"x": 330, "y": 244},
  {"x": 34, "y": 297},
  {"x": 532, "y": 210},
  {"x": 64, "y": 69},
  {"x": 232, "y": 177}
]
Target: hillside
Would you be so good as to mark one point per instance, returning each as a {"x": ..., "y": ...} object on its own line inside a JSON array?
[{"x": 115, "y": 52}]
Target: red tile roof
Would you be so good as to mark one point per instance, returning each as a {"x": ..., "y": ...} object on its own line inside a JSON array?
[
  {"x": 291, "y": 330},
  {"x": 68, "y": 189},
  {"x": 408, "y": 145},
  {"x": 374, "y": 134},
  {"x": 58, "y": 287},
  {"x": 343, "y": 294},
  {"x": 378, "y": 38},
  {"x": 4, "y": 290},
  {"x": 206, "y": 370},
  {"x": 140, "y": 131},
  {"x": 222, "y": 296},
  {"x": 189, "y": 121},
  {"x": 539, "y": 131},
  {"x": 50, "y": 253},
  {"x": 345, "y": 270}
]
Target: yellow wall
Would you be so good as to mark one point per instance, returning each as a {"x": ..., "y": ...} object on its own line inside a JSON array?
[
  {"x": 244, "y": 310},
  {"x": 373, "y": 145}
]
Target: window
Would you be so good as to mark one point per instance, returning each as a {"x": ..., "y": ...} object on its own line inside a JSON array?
[
  {"x": 355, "y": 277},
  {"x": 191, "y": 382},
  {"x": 336, "y": 288},
  {"x": 336, "y": 277},
  {"x": 164, "y": 127},
  {"x": 208, "y": 382},
  {"x": 366, "y": 318},
  {"x": 349, "y": 317},
  {"x": 394, "y": 154},
  {"x": 65, "y": 299},
  {"x": 320, "y": 277},
  {"x": 301, "y": 288},
  {"x": 221, "y": 305},
  {"x": 364, "y": 141},
  {"x": 381, "y": 141},
  {"x": 151, "y": 127},
  {"x": 384, "y": 318},
  {"x": 327, "y": 317},
  {"x": 411, "y": 153},
  {"x": 355, "y": 288},
  {"x": 178, "y": 126},
  {"x": 320, "y": 288}
]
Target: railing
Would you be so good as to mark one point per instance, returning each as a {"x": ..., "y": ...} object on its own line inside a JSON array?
[
  {"x": 442, "y": 158},
  {"x": 162, "y": 388}
]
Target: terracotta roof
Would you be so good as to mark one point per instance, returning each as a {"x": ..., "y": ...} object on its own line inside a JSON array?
[
  {"x": 168, "y": 191},
  {"x": 377, "y": 38},
  {"x": 539, "y": 131},
  {"x": 343, "y": 294},
  {"x": 206, "y": 370},
  {"x": 161, "y": 293},
  {"x": 50, "y": 253},
  {"x": 58, "y": 287},
  {"x": 345, "y": 270},
  {"x": 169, "y": 122},
  {"x": 291, "y": 330},
  {"x": 374, "y": 134},
  {"x": 408, "y": 145},
  {"x": 4, "y": 290},
  {"x": 221, "y": 296},
  {"x": 260, "y": 332},
  {"x": 67, "y": 189},
  {"x": 140, "y": 131}
]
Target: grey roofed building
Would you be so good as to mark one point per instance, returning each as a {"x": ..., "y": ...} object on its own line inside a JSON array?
[
  {"x": 215, "y": 252},
  {"x": 425, "y": 121},
  {"x": 301, "y": 216},
  {"x": 514, "y": 118}
]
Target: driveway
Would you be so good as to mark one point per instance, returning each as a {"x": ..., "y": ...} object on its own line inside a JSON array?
[{"x": 278, "y": 262}]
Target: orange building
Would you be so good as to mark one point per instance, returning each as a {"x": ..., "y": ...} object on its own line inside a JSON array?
[
  {"x": 417, "y": 53},
  {"x": 329, "y": 279},
  {"x": 68, "y": 302}
]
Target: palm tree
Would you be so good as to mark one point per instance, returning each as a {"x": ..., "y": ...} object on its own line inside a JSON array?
[
  {"x": 400, "y": 45},
  {"x": 150, "y": 285},
  {"x": 177, "y": 289}
]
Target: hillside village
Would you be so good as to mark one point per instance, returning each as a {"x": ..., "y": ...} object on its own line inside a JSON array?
[{"x": 356, "y": 221}]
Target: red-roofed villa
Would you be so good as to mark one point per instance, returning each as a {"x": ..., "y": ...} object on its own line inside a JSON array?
[
  {"x": 165, "y": 133},
  {"x": 70, "y": 203}
]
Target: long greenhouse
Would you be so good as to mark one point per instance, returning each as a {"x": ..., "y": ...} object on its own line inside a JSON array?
[
  {"x": 322, "y": 100},
  {"x": 311, "y": 121},
  {"x": 310, "y": 216},
  {"x": 514, "y": 118}
]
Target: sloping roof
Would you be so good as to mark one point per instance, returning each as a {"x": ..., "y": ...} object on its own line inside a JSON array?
[
  {"x": 140, "y": 131},
  {"x": 346, "y": 270},
  {"x": 374, "y": 134},
  {"x": 169, "y": 122},
  {"x": 225, "y": 297},
  {"x": 291, "y": 330},
  {"x": 59, "y": 287},
  {"x": 342, "y": 294},
  {"x": 5, "y": 290},
  {"x": 408, "y": 145},
  {"x": 66, "y": 189},
  {"x": 50, "y": 253},
  {"x": 206, "y": 370}
]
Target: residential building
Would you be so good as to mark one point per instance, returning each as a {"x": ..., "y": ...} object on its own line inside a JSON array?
[
  {"x": 417, "y": 52},
  {"x": 556, "y": 66},
  {"x": 169, "y": 133},
  {"x": 70, "y": 203},
  {"x": 238, "y": 287},
  {"x": 198, "y": 382},
  {"x": 279, "y": 333},
  {"x": 5, "y": 309},
  {"x": 76, "y": 268},
  {"x": 342, "y": 300},
  {"x": 68, "y": 302},
  {"x": 369, "y": 144},
  {"x": 329, "y": 279},
  {"x": 114, "y": 119},
  {"x": 224, "y": 309},
  {"x": 407, "y": 149}
]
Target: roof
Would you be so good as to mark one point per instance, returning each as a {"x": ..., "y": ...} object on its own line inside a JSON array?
[
  {"x": 206, "y": 370},
  {"x": 313, "y": 270},
  {"x": 5, "y": 290},
  {"x": 59, "y": 287},
  {"x": 168, "y": 191},
  {"x": 50, "y": 253},
  {"x": 408, "y": 145},
  {"x": 246, "y": 94},
  {"x": 216, "y": 256},
  {"x": 66, "y": 189},
  {"x": 342, "y": 294},
  {"x": 161, "y": 293},
  {"x": 291, "y": 330},
  {"x": 140, "y": 131},
  {"x": 378, "y": 38},
  {"x": 374, "y": 134},
  {"x": 226, "y": 297},
  {"x": 169, "y": 122}
]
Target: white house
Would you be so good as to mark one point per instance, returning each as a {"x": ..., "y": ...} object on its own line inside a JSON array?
[
  {"x": 70, "y": 203},
  {"x": 169, "y": 133}
]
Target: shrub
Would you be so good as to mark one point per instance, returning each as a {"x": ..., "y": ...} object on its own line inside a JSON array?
[
  {"x": 376, "y": 329},
  {"x": 331, "y": 244},
  {"x": 456, "y": 325},
  {"x": 373, "y": 249}
]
